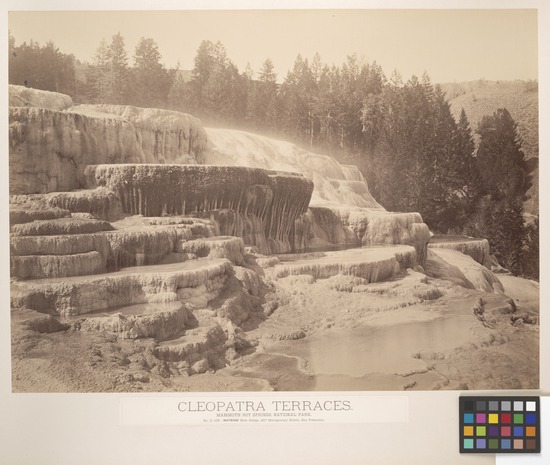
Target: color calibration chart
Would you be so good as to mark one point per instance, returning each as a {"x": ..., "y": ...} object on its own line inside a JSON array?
[{"x": 499, "y": 424}]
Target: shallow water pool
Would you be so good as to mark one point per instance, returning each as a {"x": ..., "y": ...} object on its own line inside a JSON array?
[{"x": 380, "y": 349}]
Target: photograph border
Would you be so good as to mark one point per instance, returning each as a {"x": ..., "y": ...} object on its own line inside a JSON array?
[{"x": 58, "y": 427}]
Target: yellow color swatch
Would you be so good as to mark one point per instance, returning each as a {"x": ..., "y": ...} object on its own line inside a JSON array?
[{"x": 493, "y": 418}]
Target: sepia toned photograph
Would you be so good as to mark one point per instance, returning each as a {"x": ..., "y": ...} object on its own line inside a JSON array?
[{"x": 273, "y": 200}]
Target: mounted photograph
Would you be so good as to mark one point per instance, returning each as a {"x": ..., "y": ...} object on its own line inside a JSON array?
[{"x": 273, "y": 200}]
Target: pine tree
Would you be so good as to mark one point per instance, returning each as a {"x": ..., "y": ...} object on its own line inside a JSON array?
[
  {"x": 118, "y": 91},
  {"x": 389, "y": 158},
  {"x": 262, "y": 98},
  {"x": 502, "y": 170},
  {"x": 41, "y": 67},
  {"x": 351, "y": 102},
  {"x": 151, "y": 81},
  {"x": 500, "y": 159},
  {"x": 419, "y": 157},
  {"x": 465, "y": 147},
  {"x": 507, "y": 234},
  {"x": 464, "y": 169},
  {"x": 530, "y": 253},
  {"x": 218, "y": 90},
  {"x": 326, "y": 105},
  {"x": 450, "y": 160},
  {"x": 97, "y": 75},
  {"x": 179, "y": 97},
  {"x": 204, "y": 64},
  {"x": 298, "y": 94},
  {"x": 108, "y": 80}
]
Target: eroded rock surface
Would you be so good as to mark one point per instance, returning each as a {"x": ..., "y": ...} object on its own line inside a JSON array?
[
  {"x": 135, "y": 285},
  {"x": 371, "y": 264},
  {"x": 100, "y": 203},
  {"x": 142, "y": 258},
  {"x": 342, "y": 210},
  {"x": 262, "y": 206},
  {"x": 165, "y": 136},
  {"x": 162, "y": 323},
  {"x": 478, "y": 249},
  {"x": 334, "y": 183},
  {"x": 21, "y": 96},
  {"x": 51, "y": 141},
  {"x": 461, "y": 269},
  {"x": 49, "y": 147}
]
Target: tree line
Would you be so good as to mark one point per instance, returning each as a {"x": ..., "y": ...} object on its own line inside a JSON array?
[{"x": 402, "y": 135}]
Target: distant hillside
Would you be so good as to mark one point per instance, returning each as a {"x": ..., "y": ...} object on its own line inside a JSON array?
[
  {"x": 480, "y": 98},
  {"x": 520, "y": 98}
]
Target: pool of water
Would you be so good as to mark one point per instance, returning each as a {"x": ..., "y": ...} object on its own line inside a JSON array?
[{"x": 383, "y": 349}]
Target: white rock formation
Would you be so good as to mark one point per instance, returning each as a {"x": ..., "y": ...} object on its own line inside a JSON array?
[
  {"x": 258, "y": 205},
  {"x": 342, "y": 210},
  {"x": 162, "y": 324},
  {"x": 27, "y": 212},
  {"x": 200, "y": 344},
  {"x": 57, "y": 266},
  {"x": 462, "y": 269},
  {"x": 372, "y": 264},
  {"x": 59, "y": 226},
  {"x": 136, "y": 285},
  {"x": 93, "y": 252},
  {"x": 102, "y": 199},
  {"x": 48, "y": 147},
  {"x": 165, "y": 136},
  {"x": 21, "y": 96},
  {"x": 101, "y": 203},
  {"x": 478, "y": 249},
  {"x": 51, "y": 140},
  {"x": 333, "y": 183},
  {"x": 362, "y": 227},
  {"x": 49, "y": 151},
  {"x": 228, "y": 247}
]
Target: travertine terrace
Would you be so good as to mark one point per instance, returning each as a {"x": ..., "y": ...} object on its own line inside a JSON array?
[{"x": 150, "y": 253}]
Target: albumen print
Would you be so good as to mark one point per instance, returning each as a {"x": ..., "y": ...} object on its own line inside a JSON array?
[{"x": 273, "y": 200}]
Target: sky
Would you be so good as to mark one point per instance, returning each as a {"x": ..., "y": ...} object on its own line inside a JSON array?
[{"x": 450, "y": 45}]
